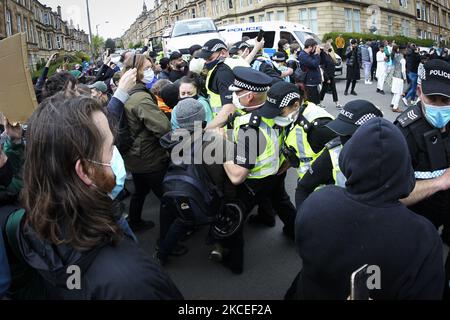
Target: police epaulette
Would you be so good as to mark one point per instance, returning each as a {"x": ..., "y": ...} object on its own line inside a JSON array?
[
  {"x": 333, "y": 143},
  {"x": 255, "y": 120},
  {"x": 410, "y": 116}
]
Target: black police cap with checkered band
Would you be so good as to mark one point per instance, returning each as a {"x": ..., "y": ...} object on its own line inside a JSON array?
[
  {"x": 280, "y": 95},
  {"x": 352, "y": 116},
  {"x": 249, "y": 79}
]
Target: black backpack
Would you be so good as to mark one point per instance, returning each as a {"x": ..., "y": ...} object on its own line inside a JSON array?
[
  {"x": 124, "y": 138},
  {"x": 190, "y": 193}
]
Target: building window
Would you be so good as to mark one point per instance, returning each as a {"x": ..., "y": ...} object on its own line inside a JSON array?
[
  {"x": 203, "y": 10},
  {"x": 435, "y": 15},
  {"x": 193, "y": 13},
  {"x": 33, "y": 39},
  {"x": 251, "y": 19},
  {"x": 49, "y": 41},
  {"x": 46, "y": 19},
  {"x": 419, "y": 10},
  {"x": 19, "y": 23},
  {"x": 242, "y": 20},
  {"x": 357, "y": 21},
  {"x": 405, "y": 28},
  {"x": 230, "y": 4},
  {"x": 308, "y": 17},
  {"x": 8, "y": 24},
  {"x": 241, "y": 3},
  {"x": 280, "y": 16},
  {"x": 390, "y": 25},
  {"x": 270, "y": 16},
  {"x": 352, "y": 20},
  {"x": 25, "y": 29},
  {"x": 262, "y": 18},
  {"x": 249, "y": 2},
  {"x": 403, "y": 3},
  {"x": 216, "y": 7}
]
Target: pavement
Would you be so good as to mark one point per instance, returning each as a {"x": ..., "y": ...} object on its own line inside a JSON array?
[{"x": 271, "y": 260}]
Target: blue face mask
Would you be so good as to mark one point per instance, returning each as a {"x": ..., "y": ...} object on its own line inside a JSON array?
[
  {"x": 212, "y": 64},
  {"x": 438, "y": 117},
  {"x": 117, "y": 166}
]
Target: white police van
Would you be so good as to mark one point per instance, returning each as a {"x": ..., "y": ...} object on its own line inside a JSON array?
[
  {"x": 186, "y": 33},
  {"x": 274, "y": 31}
]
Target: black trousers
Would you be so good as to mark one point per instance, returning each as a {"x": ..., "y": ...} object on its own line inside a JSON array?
[
  {"x": 327, "y": 86},
  {"x": 313, "y": 94},
  {"x": 347, "y": 86},
  {"x": 340, "y": 52},
  {"x": 250, "y": 194},
  {"x": 143, "y": 184}
]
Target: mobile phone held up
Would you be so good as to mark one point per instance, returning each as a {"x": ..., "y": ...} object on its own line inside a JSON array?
[
  {"x": 358, "y": 284},
  {"x": 260, "y": 35}
]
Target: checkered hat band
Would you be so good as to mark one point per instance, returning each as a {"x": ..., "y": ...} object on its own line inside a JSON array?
[
  {"x": 365, "y": 118},
  {"x": 287, "y": 99},
  {"x": 249, "y": 87},
  {"x": 218, "y": 47}
]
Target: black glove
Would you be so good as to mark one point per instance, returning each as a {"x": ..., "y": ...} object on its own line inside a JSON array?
[{"x": 291, "y": 155}]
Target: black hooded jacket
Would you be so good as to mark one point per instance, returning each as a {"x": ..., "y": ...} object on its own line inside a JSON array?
[
  {"x": 339, "y": 230},
  {"x": 122, "y": 272}
]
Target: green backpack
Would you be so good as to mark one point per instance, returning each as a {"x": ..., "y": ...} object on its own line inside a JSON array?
[{"x": 26, "y": 283}]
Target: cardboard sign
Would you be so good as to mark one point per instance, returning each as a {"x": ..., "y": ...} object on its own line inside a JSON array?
[{"x": 17, "y": 97}]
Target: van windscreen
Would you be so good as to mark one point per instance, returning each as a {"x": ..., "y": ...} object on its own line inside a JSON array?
[{"x": 185, "y": 28}]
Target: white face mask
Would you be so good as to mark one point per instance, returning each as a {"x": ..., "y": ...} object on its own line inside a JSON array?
[
  {"x": 236, "y": 101},
  {"x": 289, "y": 119},
  {"x": 149, "y": 76}
]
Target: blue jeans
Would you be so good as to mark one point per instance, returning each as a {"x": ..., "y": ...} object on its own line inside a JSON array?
[
  {"x": 412, "y": 91},
  {"x": 123, "y": 224},
  {"x": 172, "y": 230}
]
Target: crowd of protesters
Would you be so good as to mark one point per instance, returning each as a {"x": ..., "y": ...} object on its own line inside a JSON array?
[{"x": 62, "y": 180}]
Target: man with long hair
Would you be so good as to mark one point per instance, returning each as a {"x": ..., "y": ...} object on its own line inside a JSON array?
[{"x": 68, "y": 228}]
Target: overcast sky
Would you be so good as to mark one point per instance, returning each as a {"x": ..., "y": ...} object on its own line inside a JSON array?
[{"x": 120, "y": 14}]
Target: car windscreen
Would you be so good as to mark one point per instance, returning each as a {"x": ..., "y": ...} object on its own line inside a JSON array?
[
  {"x": 193, "y": 27},
  {"x": 303, "y": 36}
]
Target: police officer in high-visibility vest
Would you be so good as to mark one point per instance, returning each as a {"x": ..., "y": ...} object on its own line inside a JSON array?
[
  {"x": 220, "y": 77},
  {"x": 426, "y": 127},
  {"x": 325, "y": 169},
  {"x": 258, "y": 136},
  {"x": 307, "y": 137}
]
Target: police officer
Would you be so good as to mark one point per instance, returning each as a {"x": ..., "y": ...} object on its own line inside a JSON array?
[
  {"x": 308, "y": 136},
  {"x": 325, "y": 169},
  {"x": 258, "y": 135},
  {"x": 220, "y": 77},
  {"x": 426, "y": 129}
]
